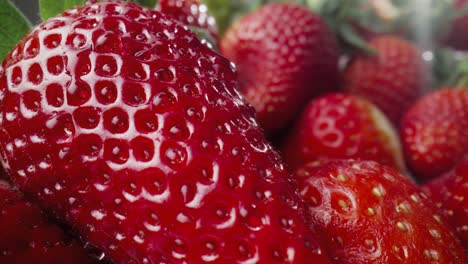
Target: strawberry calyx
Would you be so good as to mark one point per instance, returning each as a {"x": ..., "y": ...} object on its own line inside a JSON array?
[
  {"x": 450, "y": 68},
  {"x": 443, "y": 62},
  {"x": 357, "y": 21},
  {"x": 461, "y": 80},
  {"x": 226, "y": 12}
]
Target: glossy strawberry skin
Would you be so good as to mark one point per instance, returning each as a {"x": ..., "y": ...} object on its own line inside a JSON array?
[
  {"x": 449, "y": 193},
  {"x": 369, "y": 213},
  {"x": 392, "y": 79},
  {"x": 120, "y": 122},
  {"x": 284, "y": 55},
  {"x": 190, "y": 12},
  {"x": 27, "y": 235},
  {"x": 342, "y": 126},
  {"x": 434, "y": 132}
]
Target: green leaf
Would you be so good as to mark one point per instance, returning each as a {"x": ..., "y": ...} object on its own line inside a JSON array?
[
  {"x": 226, "y": 12},
  {"x": 449, "y": 68},
  {"x": 51, "y": 8},
  {"x": 147, "y": 3},
  {"x": 14, "y": 26},
  {"x": 314, "y": 5},
  {"x": 223, "y": 11},
  {"x": 205, "y": 37},
  {"x": 351, "y": 37}
]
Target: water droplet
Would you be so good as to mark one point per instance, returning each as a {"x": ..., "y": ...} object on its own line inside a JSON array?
[
  {"x": 143, "y": 149},
  {"x": 35, "y": 74},
  {"x": 106, "y": 66},
  {"x": 16, "y": 76},
  {"x": 52, "y": 41},
  {"x": 116, "y": 151},
  {"x": 146, "y": 121},
  {"x": 179, "y": 249},
  {"x": 87, "y": 117},
  {"x": 106, "y": 92},
  {"x": 108, "y": 42},
  {"x": 55, "y": 65},
  {"x": 77, "y": 41},
  {"x": 163, "y": 101},
  {"x": 164, "y": 75},
  {"x": 78, "y": 93},
  {"x": 173, "y": 154},
  {"x": 116, "y": 120}
]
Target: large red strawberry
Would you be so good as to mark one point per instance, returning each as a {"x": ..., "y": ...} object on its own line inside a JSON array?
[
  {"x": 119, "y": 121},
  {"x": 369, "y": 213},
  {"x": 284, "y": 55},
  {"x": 449, "y": 193},
  {"x": 392, "y": 79},
  {"x": 342, "y": 126},
  {"x": 27, "y": 236},
  {"x": 434, "y": 132},
  {"x": 190, "y": 12}
]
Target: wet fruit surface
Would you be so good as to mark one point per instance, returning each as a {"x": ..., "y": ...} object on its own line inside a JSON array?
[
  {"x": 282, "y": 62},
  {"x": 27, "y": 234},
  {"x": 122, "y": 123},
  {"x": 369, "y": 213}
]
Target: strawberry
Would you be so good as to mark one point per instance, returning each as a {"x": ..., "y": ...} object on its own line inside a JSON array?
[
  {"x": 190, "y": 12},
  {"x": 122, "y": 123},
  {"x": 342, "y": 126},
  {"x": 369, "y": 213},
  {"x": 3, "y": 174},
  {"x": 392, "y": 79},
  {"x": 434, "y": 132},
  {"x": 26, "y": 234},
  {"x": 457, "y": 36},
  {"x": 449, "y": 193},
  {"x": 285, "y": 54}
]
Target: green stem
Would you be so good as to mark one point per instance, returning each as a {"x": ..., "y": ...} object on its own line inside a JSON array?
[{"x": 460, "y": 78}]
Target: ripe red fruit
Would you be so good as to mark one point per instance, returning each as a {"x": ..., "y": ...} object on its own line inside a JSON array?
[
  {"x": 26, "y": 235},
  {"x": 457, "y": 36},
  {"x": 3, "y": 174},
  {"x": 392, "y": 79},
  {"x": 119, "y": 121},
  {"x": 449, "y": 194},
  {"x": 434, "y": 132},
  {"x": 369, "y": 213},
  {"x": 190, "y": 12},
  {"x": 342, "y": 126},
  {"x": 284, "y": 55}
]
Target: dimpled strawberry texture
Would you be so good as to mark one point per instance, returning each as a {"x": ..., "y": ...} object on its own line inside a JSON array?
[
  {"x": 122, "y": 123},
  {"x": 285, "y": 55},
  {"x": 393, "y": 79},
  {"x": 189, "y": 12},
  {"x": 26, "y": 234},
  {"x": 342, "y": 126},
  {"x": 370, "y": 213},
  {"x": 434, "y": 132},
  {"x": 449, "y": 193}
]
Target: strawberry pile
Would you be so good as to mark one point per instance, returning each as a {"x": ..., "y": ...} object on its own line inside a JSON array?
[
  {"x": 188, "y": 131},
  {"x": 28, "y": 234}
]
